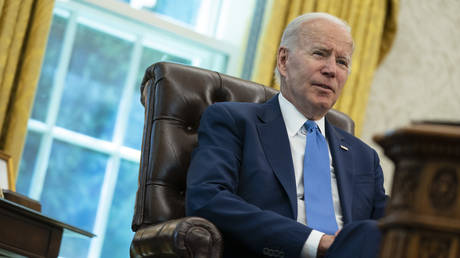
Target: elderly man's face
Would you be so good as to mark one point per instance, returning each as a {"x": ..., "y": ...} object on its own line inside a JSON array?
[{"x": 315, "y": 71}]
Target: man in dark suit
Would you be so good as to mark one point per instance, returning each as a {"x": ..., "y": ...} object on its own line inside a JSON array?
[{"x": 276, "y": 178}]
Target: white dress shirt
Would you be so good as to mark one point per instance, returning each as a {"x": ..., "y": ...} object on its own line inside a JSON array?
[{"x": 294, "y": 121}]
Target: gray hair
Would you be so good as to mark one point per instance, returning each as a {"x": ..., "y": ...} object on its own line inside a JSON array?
[{"x": 291, "y": 32}]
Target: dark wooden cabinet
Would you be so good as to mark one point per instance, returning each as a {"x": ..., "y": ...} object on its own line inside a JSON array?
[
  {"x": 423, "y": 216},
  {"x": 26, "y": 232}
]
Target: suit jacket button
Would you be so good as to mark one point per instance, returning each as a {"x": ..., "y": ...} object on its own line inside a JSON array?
[{"x": 266, "y": 251}]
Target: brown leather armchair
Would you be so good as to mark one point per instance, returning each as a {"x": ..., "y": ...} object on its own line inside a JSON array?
[{"x": 174, "y": 97}]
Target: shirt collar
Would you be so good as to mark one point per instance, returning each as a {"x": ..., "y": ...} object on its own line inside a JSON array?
[{"x": 293, "y": 119}]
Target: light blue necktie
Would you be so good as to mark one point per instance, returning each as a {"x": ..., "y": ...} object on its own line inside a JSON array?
[{"x": 317, "y": 182}]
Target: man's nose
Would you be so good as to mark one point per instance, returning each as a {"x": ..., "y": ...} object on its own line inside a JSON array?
[{"x": 330, "y": 67}]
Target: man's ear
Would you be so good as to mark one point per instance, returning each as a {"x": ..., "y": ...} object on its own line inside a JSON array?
[{"x": 281, "y": 60}]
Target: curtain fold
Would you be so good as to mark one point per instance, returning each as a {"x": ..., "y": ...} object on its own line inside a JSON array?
[
  {"x": 24, "y": 28},
  {"x": 373, "y": 24}
]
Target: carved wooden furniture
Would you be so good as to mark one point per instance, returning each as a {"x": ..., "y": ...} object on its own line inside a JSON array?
[
  {"x": 27, "y": 233},
  {"x": 423, "y": 217},
  {"x": 22, "y": 200}
]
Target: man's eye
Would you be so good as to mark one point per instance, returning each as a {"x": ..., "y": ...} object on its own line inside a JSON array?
[
  {"x": 318, "y": 53},
  {"x": 342, "y": 62}
]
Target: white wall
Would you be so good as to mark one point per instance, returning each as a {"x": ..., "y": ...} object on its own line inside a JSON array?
[{"x": 420, "y": 78}]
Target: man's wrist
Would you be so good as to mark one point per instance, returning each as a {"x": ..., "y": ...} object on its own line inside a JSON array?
[
  {"x": 310, "y": 247},
  {"x": 324, "y": 244}
]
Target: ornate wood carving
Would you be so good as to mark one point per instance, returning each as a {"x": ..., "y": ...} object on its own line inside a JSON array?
[
  {"x": 423, "y": 215},
  {"x": 434, "y": 247},
  {"x": 444, "y": 188},
  {"x": 407, "y": 182}
]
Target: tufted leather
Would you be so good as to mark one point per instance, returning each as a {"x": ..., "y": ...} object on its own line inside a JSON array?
[{"x": 174, "y": 97}]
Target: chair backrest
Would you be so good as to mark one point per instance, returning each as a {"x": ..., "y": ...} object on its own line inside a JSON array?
[{"x": 174, "y": 97}]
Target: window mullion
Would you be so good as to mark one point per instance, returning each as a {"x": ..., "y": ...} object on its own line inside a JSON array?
[
  {"x": 62, "y": 69},
  {"x": 111, "y": 173},
  {"x": 105, "y": 202},
  {"x": 41, "y": 166},
  {"x": 128, "y": 91},
  {"x": 205, "y": 24}
]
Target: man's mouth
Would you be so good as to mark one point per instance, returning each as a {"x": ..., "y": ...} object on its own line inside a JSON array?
[{"x": 324, "y": 86}]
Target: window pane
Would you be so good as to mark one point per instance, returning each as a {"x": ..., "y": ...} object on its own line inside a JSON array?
[
  {"x": 118, "y": 235},
  {"x": 183, "y": 10},
  {"x": 134, "y": 130},
  {"x": 74, "y": 245},
  {"x": 50, "y": 63},
  {"x": 73, "y": 183},
  {"x": 133, "y": 137},
  {"x": 94, "y": 83},
  {"x": 27, "y": 165}
]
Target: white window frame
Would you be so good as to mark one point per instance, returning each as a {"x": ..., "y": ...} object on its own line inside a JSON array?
[{"x": 206, "y": 34}]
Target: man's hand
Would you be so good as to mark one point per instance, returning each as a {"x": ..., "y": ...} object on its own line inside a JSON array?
[{"x": 325, "y": 242}]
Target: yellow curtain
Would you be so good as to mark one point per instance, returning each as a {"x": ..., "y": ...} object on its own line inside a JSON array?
[
  {"x": 24, "y": 27},
  {"x": 373, "y": 24}
]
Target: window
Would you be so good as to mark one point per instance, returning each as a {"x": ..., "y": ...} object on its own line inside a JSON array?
[{"x": 81, "y": 157}]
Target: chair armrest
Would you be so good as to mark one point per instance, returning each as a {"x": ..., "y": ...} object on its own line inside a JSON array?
[{"x": 184, "y": 237}]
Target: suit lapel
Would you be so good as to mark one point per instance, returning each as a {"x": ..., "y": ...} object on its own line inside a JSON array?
[
  {"x": 275, "y": 142},
  {"x": 342, "y": 158}
]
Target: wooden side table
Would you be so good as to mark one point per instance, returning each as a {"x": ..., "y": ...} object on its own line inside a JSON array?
[
  {"x": 27, "y": 233},
  {"x": 423, "y": 216}
]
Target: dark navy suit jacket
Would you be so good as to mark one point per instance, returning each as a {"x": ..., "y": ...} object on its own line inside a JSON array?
[{"x": 241, "y": 178}]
